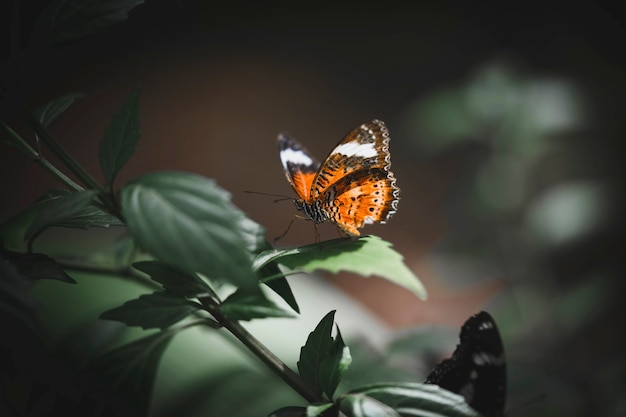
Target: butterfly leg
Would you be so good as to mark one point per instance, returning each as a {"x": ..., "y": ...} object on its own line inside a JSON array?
[{"x": 277, "y": 238}]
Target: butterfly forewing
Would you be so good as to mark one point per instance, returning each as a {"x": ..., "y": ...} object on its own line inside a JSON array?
[
  {"x": 364, "y": 148},
  {"x": 299, "y": 165}
]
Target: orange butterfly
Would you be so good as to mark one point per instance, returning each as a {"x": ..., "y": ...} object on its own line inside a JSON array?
[{"x": 354, "y": 186}]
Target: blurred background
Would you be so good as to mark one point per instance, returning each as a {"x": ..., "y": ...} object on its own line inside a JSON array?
[{"x": 506, "y": 124}]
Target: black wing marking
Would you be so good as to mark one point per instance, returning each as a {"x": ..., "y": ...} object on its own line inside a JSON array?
[{"x": 477, "y": 368}]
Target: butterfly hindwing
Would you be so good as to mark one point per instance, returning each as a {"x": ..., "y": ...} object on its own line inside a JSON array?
[
  {"x": 365, "y": 203},
  {"x": 477, "y": 368}
]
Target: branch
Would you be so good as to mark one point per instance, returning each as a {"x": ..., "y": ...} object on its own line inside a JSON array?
[{"x": 262, "y": 352}]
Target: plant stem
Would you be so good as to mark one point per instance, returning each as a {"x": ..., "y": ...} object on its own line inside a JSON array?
[
  {"x": 262, "y": 352},
  {"x": 36, "y": 156},
  {"x": 51, "y": 142}
]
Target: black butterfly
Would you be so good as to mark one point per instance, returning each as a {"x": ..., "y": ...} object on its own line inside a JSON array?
[{"x": 477, "y": 368}]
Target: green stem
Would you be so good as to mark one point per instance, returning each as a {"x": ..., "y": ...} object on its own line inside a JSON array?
[
  {"x": 51, "y": 142},
  {"x": 262, "y": 352},
  {"x": 22, "y": 145}
]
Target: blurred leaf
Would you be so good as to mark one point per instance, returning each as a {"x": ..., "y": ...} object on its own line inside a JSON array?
[
  {"x": 291, "y": 411},
  {"x": 188, "y": 222},
  {"x": 441, "y": 121},
  {"x": 120, "y": 138},
  {"x": 254, "y": 235},
  {"x": 130, "y": 370},
  {"x": 565, "y": 214},
  {"x": 65, "y": 20},
  {"x": 229, "y": 391},
  {"x": 368, "y": 255},
  {"x": 359, "y": 405},
  {"x": 323, "y": 360},
  {"x": 245, "y": 305},
  {"x": 185, "y": 284},
  {"x": 317, "y": 409},
  {"x": 36, "y": 266},
  {"x": 56, "y": 210},
  {"x": 51, "y": 111},
  {"x": 404, "y": 399},
  {"x": 89, "y": 216},
  {"x": 156, "y": 310}
]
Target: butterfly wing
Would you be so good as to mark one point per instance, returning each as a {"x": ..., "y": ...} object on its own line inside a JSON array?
[
  {"x": 299, "y": 165},
  {"x": 355, "y": 182},
  {"x": 477, "y": 368}
]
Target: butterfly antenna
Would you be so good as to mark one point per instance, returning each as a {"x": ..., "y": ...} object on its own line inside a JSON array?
[{"x": 282, "y": 197}]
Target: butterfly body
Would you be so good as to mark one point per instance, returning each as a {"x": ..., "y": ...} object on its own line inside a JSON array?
[{"x": 352, "y": 187}]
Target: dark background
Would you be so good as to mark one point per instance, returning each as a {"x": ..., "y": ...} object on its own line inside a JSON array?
[{"x": 495, "y": 111}]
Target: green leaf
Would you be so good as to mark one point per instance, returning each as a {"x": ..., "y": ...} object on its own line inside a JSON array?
[
  {"x": 156, "y": 310},
  {"x": 36, "y": 266},
  {"x": 66, "y": 20},
  {"x": 89, "y": 216},
  {"x": 188, "y": 222},
  {"x": 57, "y": 210},
  {"x": 289, "y": 411},
  {"x": 359, "y": 405},
  {"x": 323, "y": 360},
  {"x": 279, "y": 285},
  {"x": 404, "y": 399},
  {"x": 315, "y": 410},
  {"x": 51, "y": 111},
  {"x": 254, "y": 235},
  {"x": 120, "y": 138},
  {"x": 185, "y": 284},
  {"x": 129, "y": 371},
  {"x": 368, "y": 255},
  {"x": 246, "y": 305}
]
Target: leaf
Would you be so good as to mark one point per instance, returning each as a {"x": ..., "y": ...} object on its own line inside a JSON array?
[
  {"x": 289, "y": 411},
  {"x": 130, "y": 370},
  {"x": 65, "y": 20},
  {"x": 180, "y": 283},
  {"x": 245, "y": 305},
  {"x": 120, "y": 138},
  {"x": 89, "y": 216},
  {"x": 359, "y": 405},
  {"x": 315, "y": 410},
  {"x": 188, "y": 222},
  {"x": 156, "y": 310},
  {"x": 323, "y": 360},
  {"x": 368, "y": 255},
  {"x": 254, "y": 235},
  {"x": 57, "y": 210},
  {"x": 51, "y": 111},
  {"x": 36, "y": 266},
  {"x": 279, "y": 285},
  {"x": 405, "y": 399}
]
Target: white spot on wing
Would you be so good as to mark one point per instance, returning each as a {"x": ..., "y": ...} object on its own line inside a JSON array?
[
  {"x": 295, "y": 157},
  {"x": 482, "y": 359},
  {"x": 363, "y": 150}
]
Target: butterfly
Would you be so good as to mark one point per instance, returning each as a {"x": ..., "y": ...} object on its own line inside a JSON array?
[
  {"x": 477, "y": 368},
  {"x": 354, "y": 186}
]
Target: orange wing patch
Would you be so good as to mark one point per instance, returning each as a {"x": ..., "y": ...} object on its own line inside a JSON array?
[{"x": 354, "y": 186}]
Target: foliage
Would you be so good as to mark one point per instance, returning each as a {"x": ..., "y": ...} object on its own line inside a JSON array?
[{"x": 203, "y": 262}]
